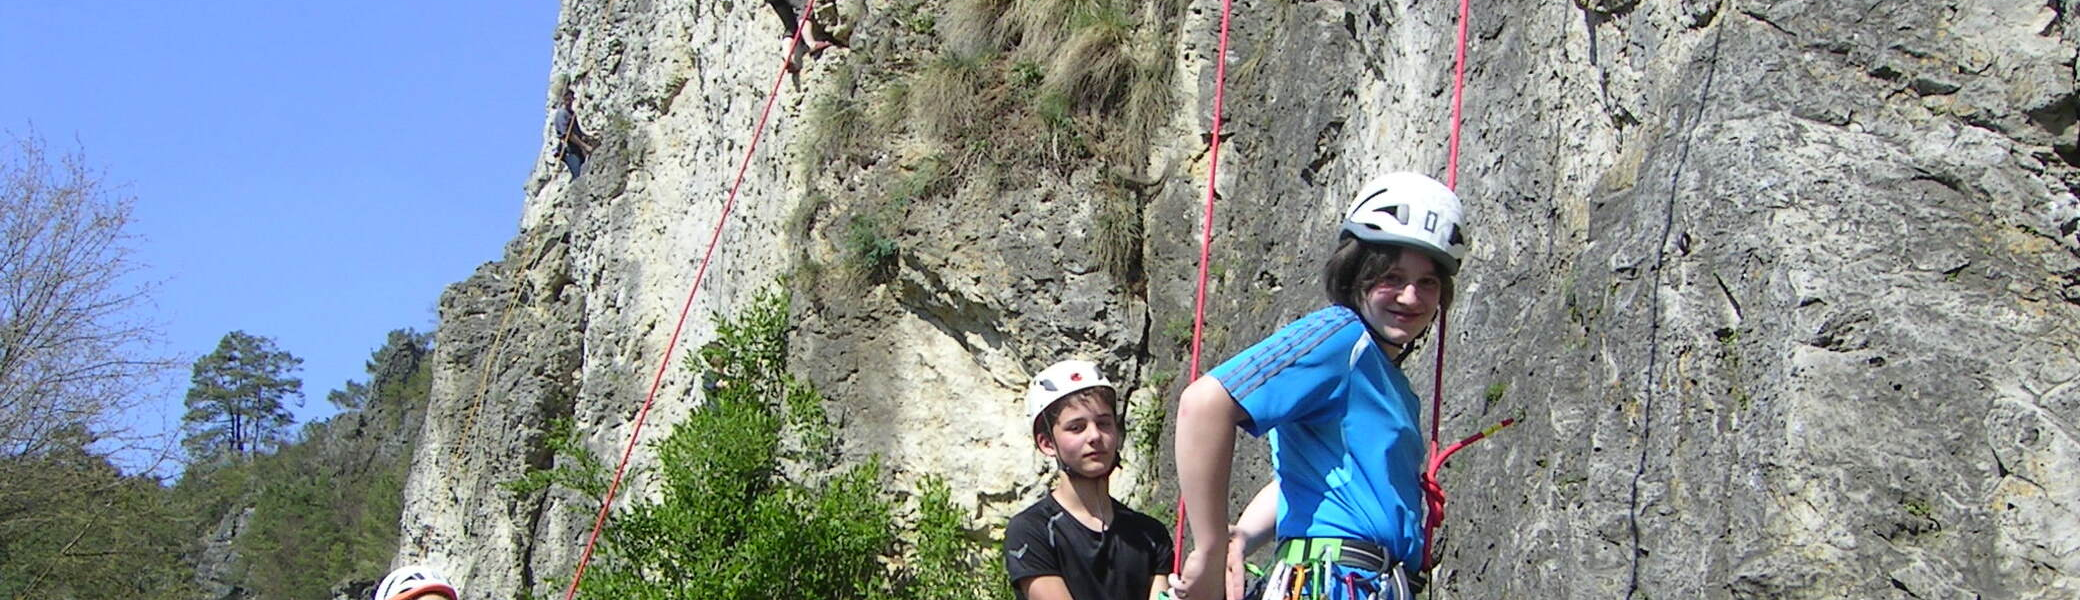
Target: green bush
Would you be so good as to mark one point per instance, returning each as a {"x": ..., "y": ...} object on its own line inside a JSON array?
[
  {"x": 946, "y": 564},
  {"x": 743, "y": 512}
]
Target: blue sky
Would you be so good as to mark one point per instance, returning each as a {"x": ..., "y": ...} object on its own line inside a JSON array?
[{"x": 311, "y": 171}]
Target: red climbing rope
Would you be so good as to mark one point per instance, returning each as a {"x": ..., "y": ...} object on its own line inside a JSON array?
[
  {"x": 1433, "y": 491},
  {"x": 730, "y": 202},
  {"x": 1213, "y": 169}
]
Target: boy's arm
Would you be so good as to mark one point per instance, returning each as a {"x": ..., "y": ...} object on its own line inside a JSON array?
[
  {"x": 1030, "y": 561},
  {"x": 1206, "y": 418},
  {"x": 1161, "y": 584},
  {"x": 1045, "y": 587}
]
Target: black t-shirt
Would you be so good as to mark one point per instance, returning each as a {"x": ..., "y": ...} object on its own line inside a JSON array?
[{"x": 1116, "y": 564}]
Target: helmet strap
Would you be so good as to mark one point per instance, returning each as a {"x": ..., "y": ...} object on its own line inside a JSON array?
[
  {"x": 1414, "y": 342},
  {"x": 1072, "y": 474},
  {"x": 1383, "y": 342},
  {"x": 1063, "y": 465}
]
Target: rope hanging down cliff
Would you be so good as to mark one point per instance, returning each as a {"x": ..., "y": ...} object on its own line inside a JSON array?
[
  {"x": 1213, "y": 169},
  {"x": 1433, "y": 491},
  {"x": 607, "y": 503}
]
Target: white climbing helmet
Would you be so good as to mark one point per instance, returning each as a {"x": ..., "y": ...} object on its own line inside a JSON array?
[
  {"x": 1409, "y": 209},
  {"x": 415, "y": 581},
  {"x": 1059, "y": 380}
]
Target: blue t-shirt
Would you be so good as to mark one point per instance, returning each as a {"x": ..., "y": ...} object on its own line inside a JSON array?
[{"x": 1344, "y": 427}]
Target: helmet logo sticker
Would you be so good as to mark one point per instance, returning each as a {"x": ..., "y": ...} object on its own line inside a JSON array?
[
  {"x": 1075, "y": 377},
  {"x": 1430, "y": 222}
]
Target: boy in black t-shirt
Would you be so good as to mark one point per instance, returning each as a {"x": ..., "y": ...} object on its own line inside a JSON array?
[{"x": 1077, "y": 542}]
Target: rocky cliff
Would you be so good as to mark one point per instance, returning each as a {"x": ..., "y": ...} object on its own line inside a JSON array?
[{"x": 1786, "y": 291}]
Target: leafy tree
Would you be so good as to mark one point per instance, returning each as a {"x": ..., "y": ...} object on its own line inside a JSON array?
[
  {"x": 70, "y": 358},
  {"x": 235, "y": 397},
  {"x": 73, "y": 526},
  {"x": 353, "y": 396}
]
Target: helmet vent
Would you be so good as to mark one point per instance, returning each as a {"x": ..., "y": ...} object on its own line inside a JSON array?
[{"x": 1396, "y": 211}]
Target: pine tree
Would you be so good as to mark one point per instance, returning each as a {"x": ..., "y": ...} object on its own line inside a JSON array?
[{"x": 235, "y": 398}]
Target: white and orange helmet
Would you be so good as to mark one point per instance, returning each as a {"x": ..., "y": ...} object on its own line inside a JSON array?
[
  {"x": 1059, "y": 380},
  {"x": 416, "y": 582}
]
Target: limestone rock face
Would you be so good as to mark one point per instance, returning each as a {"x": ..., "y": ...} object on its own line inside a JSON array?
[
  {"x": 1785, "y": 292},
  {"x": 573, "y": 322}
]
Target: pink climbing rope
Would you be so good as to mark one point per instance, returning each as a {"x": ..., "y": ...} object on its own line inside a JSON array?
[
  {"x": 1433, "y": 490},
  {"x": 729, "y": 203},
  {"x": 1213, "y": 169}
]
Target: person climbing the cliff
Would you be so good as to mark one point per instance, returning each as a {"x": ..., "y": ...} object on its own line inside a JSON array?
[
  {"x": 1342, "y": 420},
  {"x": 416, "y": 583},
  {"x": 820, "y": 38},
  {"x": 1077, "y": 541},
  {"x": 572, "y": 144}
]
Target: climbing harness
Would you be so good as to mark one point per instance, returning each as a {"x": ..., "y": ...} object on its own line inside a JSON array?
[
  {"x": 1335, "y": 569},
  {"x": 730, "y": 202}
]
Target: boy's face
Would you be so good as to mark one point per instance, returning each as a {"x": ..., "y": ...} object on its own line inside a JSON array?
[
  {"x": 1085, "y": 438},
  {"x": 1401, "y": 305}
]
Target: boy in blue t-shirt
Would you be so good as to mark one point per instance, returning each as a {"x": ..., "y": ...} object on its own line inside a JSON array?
[{"x": 1328, "y": 393}]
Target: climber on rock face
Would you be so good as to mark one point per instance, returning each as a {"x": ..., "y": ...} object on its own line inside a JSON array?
[
  {"x": 416, "y": 583},
  {"x": 1343, "y": 422},
  {"x": 572, "y": 144},
  {"x": 1078, "y": 542},
  {"x": 821, "y": 36}
]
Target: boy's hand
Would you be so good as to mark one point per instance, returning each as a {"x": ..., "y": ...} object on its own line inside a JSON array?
[{"x": 1202, "y": 578}]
